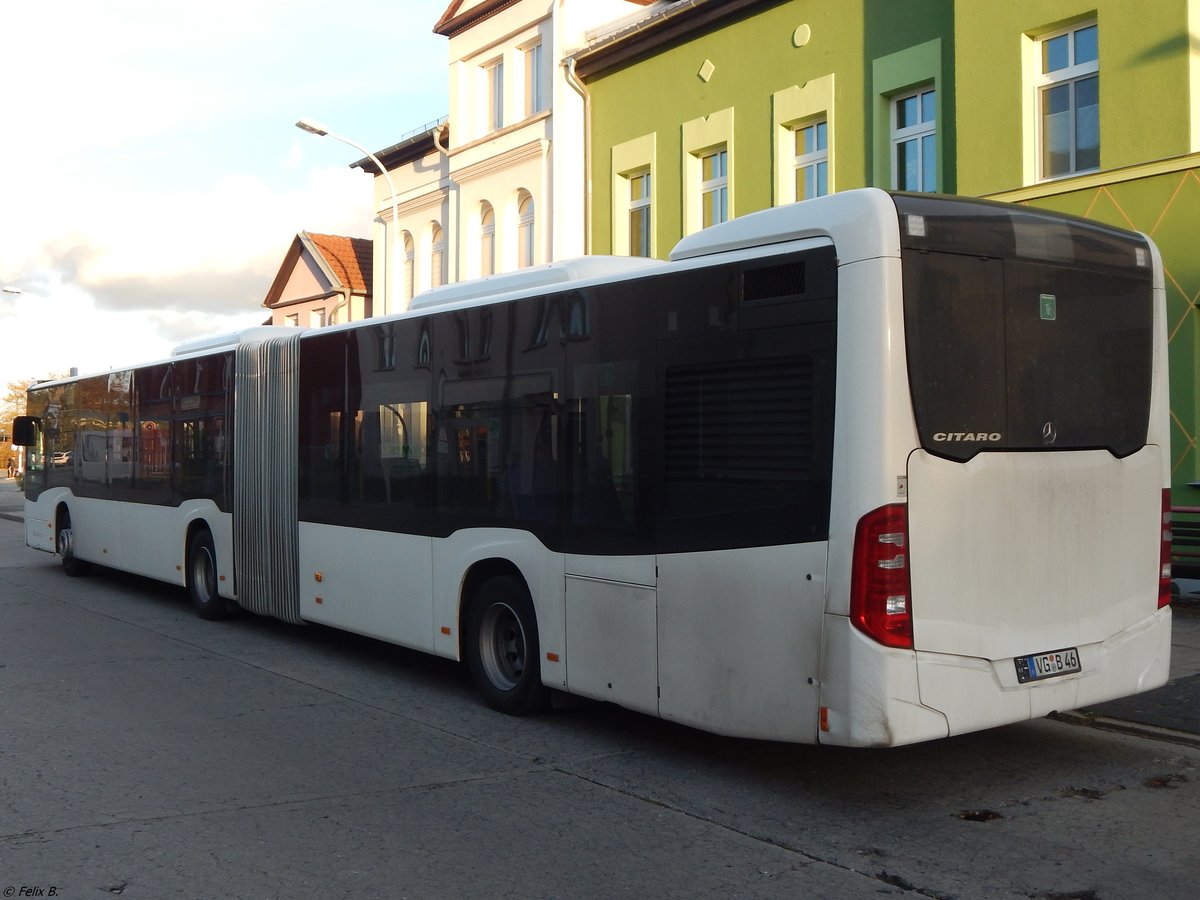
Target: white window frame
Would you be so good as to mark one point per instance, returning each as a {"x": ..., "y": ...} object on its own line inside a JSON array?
[
  {"x": 640, "y": 212},
  {"x": 915, "y": 133},
  {"x": 702, "y": 137},
  {"x": 526, "y": 247},
  {"x": 410, "y": 268},
  {"x": 630, "y": 159},
  {"x": 437, "y": 255},
  {"x": 493, "y": 72},
  {"x": 714, "y": 189},
  {"x": 816, "y": 160},
  {"x": 535, "y": 82},
  {"x": 796, "y": 107},
  {"x": 1043, "y": 82},
  {"x": 487, "y": 239},
  {"x": 317, "y": 318}
]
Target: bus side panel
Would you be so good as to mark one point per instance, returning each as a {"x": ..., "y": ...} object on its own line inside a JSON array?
[
  {"x": 98, "y": 532},
  {"x": 612, "y": 642},
  {"x": 39, "y": 519},
  {"x": 140, "y": 538},
  {"x": 739, "y": 639},
  {"x": 874, "y": 431},
  {"x": 153, "y": 539},
  {"x": 375, "y": 583}
]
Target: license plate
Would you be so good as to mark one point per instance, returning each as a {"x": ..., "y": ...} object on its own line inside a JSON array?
[{"x": 1047, "y": 665}]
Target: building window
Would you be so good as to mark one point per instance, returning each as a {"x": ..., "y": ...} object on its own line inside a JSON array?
[
  {"x": 487, "y": 239},
  {"x": 317, "y": 319},
  {"x": 525, "y": 245},
  {"x": 495, "y": 95},
  {"x": 639, "y": 213},
  {"x": 1068, "y": 101},
  {"x": 632, "y": 193},
  {"x": 410, "y": 281},
  {"x": 535, "y": 100},
  {"x": 914, "y": 141},
  {"x": 437, "y": 256},
  {"x": 812, "y": 160},
  {"x": 292, "y": 320},
  {"x": 802, "y": 120},
  {"x": 714, "y": 187},
  {"x": 708, "y": 184}
]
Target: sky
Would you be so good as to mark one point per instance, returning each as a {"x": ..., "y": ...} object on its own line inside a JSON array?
[{"x": 151, "y": 177}]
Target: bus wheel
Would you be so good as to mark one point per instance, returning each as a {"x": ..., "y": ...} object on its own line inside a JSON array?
[
  {"x": 202, "y": 577},
  {"x": 502, "y": 648},
  {"x": 65, "y": 543}
]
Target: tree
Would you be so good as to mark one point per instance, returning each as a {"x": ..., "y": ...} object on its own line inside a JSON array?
[{"x": 12, "y": 404}]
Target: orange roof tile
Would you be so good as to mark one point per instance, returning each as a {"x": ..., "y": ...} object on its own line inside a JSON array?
[{"x": 348, "y": 258}]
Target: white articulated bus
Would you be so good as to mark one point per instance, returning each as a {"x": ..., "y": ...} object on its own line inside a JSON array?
[{"x": 866, "y": 470}]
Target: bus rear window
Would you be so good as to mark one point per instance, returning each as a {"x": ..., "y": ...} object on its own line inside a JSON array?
[{"x": 1020, "y": 353}]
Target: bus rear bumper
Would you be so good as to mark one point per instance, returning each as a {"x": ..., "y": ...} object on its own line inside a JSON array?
[
  {"x": 977, "y": 693},
  {"x": 869, "y": 693}
]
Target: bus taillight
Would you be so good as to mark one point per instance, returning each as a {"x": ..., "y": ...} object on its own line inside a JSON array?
[
  {"x": 1164, "y": 558},
  {"x": 879, "y": 583}
]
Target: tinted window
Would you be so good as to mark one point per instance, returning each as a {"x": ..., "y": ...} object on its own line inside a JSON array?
[
  {"x": 1026, "y": 354},
  {"x": 664, "y": 413},
  {"x": 158, "y": 434}
]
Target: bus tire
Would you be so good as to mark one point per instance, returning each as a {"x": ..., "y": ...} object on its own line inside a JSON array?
[
  {"x": 502, "y": 648},
  {"x": 202, "y": 577},
  {"x": 64, "y": 542}
]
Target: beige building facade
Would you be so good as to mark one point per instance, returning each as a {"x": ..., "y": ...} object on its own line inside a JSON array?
[{"x": 476, "y": 194}]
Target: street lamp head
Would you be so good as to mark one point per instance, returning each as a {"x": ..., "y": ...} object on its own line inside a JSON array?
[
  {"x": 321, "y": 131},
  {"x": 313, "y": 127},
  {"x": 11, "y": 290}
]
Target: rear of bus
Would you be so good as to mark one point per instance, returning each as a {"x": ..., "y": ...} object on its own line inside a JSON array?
[{"x": 1011, "y": 546}]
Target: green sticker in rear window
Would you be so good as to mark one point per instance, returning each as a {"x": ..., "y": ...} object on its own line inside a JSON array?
[{"x": 1049, "y": 306}]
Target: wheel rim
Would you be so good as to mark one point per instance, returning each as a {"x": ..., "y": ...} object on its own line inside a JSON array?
[
  {"x": 66, "y": 543},
  {"x": 204, "y": 575},
  {"x": 502, "y": 646}
]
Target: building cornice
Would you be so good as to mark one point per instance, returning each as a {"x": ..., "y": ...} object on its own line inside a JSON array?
[
  {"x": 297, "y": 301},
  {"x": 492, "y": 136},
  {"x": 535, "y": 149},
  {"x": 1097, "y": 179},
  {"x": 685, "y": 19},
  {"x": 436, "y": 197},
  {"x": 406, "y": 151},
  {"x": 451, "y": 24}
]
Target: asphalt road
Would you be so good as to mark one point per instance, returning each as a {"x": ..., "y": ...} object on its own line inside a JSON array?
[{"x": 146, "y": 753}]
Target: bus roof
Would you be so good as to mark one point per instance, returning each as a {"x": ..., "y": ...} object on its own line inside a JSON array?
[
  {"x": 558, "y": 273},
  {"x": 861, "y": 223}
]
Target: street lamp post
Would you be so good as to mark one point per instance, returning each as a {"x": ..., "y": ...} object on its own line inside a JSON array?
[{"x": 392, "y": 288}]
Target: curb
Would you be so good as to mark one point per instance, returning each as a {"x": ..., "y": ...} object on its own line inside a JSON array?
[{"x": 1135, "y": 729}]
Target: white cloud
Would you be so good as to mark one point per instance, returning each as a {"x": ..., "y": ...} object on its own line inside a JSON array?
[{"x": 150, "y": 177}]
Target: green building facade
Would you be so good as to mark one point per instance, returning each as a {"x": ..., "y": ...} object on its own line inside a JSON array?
[
  {"x": 1148, "y": 173},
  {"x": 712, "y": 109}
]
